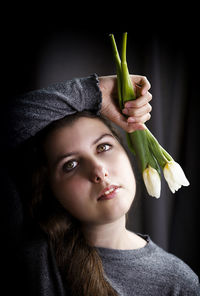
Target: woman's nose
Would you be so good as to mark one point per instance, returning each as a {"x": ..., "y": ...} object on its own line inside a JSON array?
[{"x": 98, "y": 173}]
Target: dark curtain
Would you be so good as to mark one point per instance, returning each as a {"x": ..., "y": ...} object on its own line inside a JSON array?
[
  {"x": 41, "y": 55},
  {"x": 173, "y": 220}
]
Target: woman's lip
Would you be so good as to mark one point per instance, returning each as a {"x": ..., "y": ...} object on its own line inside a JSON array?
[{"x": 109, "y": 192}]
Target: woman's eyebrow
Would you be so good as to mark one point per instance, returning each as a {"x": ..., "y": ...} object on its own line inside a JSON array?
[
  {"x": 60, "y": 157},
  {"x": 101, "y": 137}
]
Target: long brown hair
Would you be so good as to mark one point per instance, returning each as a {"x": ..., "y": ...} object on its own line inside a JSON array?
[{"x": 79, "y": 263}]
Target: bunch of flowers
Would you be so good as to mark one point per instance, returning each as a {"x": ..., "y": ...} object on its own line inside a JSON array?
[{"x": 150, "y": 155}]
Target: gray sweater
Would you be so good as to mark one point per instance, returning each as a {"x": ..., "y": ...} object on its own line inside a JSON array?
[
  {"x": 149, "y": 271},
  {"x": 29, "y": 113}
]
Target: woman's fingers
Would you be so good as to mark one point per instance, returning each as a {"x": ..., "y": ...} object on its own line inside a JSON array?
[
  {"x": 141, "y": 83},
  {"x": 138, "y": 110},
  {"x": 139, "y": 119},
  {"x": 128, "y": 124},
  {"x": 140, "y": 101}
]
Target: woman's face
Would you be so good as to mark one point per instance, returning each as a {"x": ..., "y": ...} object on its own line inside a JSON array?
[{"x": 89, "y": 171}]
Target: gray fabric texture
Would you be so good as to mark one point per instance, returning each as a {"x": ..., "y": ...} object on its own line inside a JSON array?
[
  {"x": 149, "y": 271},
  {"x": 31, "y": 112}
]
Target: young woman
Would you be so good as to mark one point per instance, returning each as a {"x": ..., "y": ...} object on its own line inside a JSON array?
[{"x": 82, "y": 187}]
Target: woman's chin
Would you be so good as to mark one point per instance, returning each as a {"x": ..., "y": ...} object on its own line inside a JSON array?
[{"x": 114, "y": 209}]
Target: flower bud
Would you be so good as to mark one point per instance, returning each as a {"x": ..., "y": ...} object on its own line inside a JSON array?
[
  {"x": 174, "y": 176},
  {"x": 152, "y": 181}
]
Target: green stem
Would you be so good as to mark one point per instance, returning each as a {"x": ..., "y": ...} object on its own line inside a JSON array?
[
  {"x": 128, "y": 93},
  {"x": 160, "y": 154},
  {"x": 118, "y": 70},
  {"x": 124, "y": 43},
  {"x": 138, "y": 143}
]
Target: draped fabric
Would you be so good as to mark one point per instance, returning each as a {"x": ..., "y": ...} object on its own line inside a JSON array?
[{"x": 173, "y": 220}]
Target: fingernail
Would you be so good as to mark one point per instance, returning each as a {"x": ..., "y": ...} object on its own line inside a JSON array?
[
  {"x": 131, "y": 120},
  {"x": 128, "y": 104},
  {"x": 125, "y": 111}
]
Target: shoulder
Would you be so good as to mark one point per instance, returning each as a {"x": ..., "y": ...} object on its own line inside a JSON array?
[{"x": 176, "y": 272}]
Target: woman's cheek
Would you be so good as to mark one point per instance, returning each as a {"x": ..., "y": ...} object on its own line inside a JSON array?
[
  {"x": 126, "y": 172},
  {"x": 69, "y": 192}
]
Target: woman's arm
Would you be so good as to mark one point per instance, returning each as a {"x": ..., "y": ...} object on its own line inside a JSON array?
[{"x": 31, "y": 112}]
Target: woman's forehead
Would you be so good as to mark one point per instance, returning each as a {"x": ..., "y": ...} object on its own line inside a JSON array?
[
  {"x": 84, "y": 131},
  {"x": 83, "y": 127}
]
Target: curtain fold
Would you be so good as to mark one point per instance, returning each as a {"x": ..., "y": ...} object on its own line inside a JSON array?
[{"x": 173, "y": 220}]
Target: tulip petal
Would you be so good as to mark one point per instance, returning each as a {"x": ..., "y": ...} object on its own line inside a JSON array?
[
  {"x": 174, "y": 176},
  {"x": 152, "y": 181}
]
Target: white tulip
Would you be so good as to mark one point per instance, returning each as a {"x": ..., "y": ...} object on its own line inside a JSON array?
[
  {"x": 152, "y": 181},
  {"x": 174, "y": 176}
]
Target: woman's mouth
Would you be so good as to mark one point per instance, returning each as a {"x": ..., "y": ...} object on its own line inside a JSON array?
[{"x": 109, "y": 192}]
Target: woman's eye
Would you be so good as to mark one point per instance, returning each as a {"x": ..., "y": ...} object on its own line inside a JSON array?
[
  {"x": 103, "y": 147},
  {"x": 70, "y": 165}
]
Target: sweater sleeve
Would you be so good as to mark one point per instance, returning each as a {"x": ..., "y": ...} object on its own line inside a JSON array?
[{"x": 33, "y": 111}]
